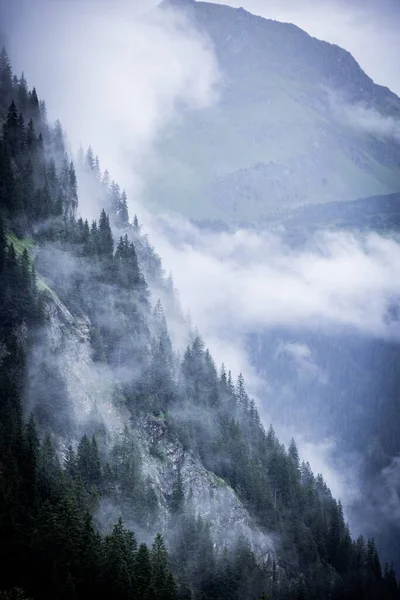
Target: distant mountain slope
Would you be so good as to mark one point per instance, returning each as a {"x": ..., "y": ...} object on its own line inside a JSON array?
[
  {"x": 297, "y": 123},
  {"x": 380, "y": 214},
  {"x": 377, "y": 213}
]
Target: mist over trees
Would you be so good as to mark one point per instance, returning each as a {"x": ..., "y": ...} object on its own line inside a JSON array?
[{"x": 58, "y": 472}]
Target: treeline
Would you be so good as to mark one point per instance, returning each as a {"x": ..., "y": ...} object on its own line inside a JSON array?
[{"x": 51, "y": 547}]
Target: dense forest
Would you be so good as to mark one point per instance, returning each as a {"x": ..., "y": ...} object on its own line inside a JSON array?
[{"x": 59, "y": 470}]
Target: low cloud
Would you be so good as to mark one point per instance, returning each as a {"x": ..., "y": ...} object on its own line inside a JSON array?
[
  {"x": 364, "y": 119},
  {"x": 236, "y": 283},
  {"x": 302, "y": 357},
  {"x": 373, "y": 122},
  {"x": 244, "y": 281}
]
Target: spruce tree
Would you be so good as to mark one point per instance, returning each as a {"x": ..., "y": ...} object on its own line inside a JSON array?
[
  {"x": 6, "y": 85},
  {"x": 159, "y": 567},
  {"x": 123, "y": 211},
  {"x": 143, "y": 573},
  {"x": 11, "y": 129}
]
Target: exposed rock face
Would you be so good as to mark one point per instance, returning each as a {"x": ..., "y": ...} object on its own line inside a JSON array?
[
  {"x": 62, "y": 360},
  {"x": 210, "y": 496},
  {"x": 84, "y": 402}
]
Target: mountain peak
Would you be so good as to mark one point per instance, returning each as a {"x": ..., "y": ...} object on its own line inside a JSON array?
[
  {"x": 285, "y": 138},
  {"x": 176, "y": 3}
]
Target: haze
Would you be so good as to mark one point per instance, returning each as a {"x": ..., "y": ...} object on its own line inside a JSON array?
[{"x": 116, "y": 87}]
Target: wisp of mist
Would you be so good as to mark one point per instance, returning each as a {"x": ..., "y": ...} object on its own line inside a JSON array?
[{"x": 115, "y": 79}]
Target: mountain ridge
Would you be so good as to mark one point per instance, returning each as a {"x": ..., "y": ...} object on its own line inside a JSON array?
[{"x": 274, "y": 111}]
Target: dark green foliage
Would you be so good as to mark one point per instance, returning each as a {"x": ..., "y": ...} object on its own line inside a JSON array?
[
  {"x": 49, "y": 495},
  {"x": 143, "y": 577},
  {"x": 14, "y": 594},
  {"x": 88, "y": 462},
  {"x": 6, "y": 83},
  {"x": 45, "y": 523},
  {"x": 159, "y": 567},
  {"x": 105, "y": 244},
  {"x": 13, "y": 130},
  {"x": 8, "y": 197},
  {"x": 33, "y": 187}
]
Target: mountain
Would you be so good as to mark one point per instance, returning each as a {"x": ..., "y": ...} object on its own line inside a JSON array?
[
  {"x": 338, "y": 385},
  {"x": 300, "y": 141},
  {"x": 129, "y": 469},
  {"x": 380, "y": 214},
  {"x": 297, "y": 122}
]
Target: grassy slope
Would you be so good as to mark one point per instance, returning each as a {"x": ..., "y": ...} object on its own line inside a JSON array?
[
  {"x": 27, "y": 243},
  {"x": 20, "y": 244}
]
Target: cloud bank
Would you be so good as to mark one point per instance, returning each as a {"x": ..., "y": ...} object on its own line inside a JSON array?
[
  {"x": 235, "y": 283},
  {"x": 249, "y": 281}
]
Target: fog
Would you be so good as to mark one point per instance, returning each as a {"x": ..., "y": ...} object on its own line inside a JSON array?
[
  {"x": 364, "y": 119},
  {"x": 233, "y": 283},
  {"x": 115, "y": 81},
  {"x": 114, "y": 78},
  {"x": 252, "y": 280}
]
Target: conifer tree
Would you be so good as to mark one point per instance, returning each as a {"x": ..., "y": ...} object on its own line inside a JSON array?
[
  {"x": 8, "y": 199},
  {"x": 3, "y": 248},
  {"x": 178, "y": 494},
  {"x": 6, "y": 85},
  {"x": 159, "y": 567},
  {"x": 123, "y": 211},
  {"x": 90, "y": 160},
  {"x": 11, "y": 129},
  {"x": 31, "y": 136},
  {"x": 105, "y": 238},
  {"x": 143, "y": 574},
  {"x": 242, "y": 397},
  {"x": 34, "y": 105}
]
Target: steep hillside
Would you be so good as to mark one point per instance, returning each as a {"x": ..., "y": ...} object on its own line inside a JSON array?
[
  {"x": 102, "y": 421},
  {"x": 339, "y": 384},
  {"x": 297, "y": 122}
]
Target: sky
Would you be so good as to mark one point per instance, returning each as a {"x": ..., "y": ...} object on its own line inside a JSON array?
[{"x": 367, "y": 28}]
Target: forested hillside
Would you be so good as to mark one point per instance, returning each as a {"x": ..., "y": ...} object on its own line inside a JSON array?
[{"x": 128, "y": 470}]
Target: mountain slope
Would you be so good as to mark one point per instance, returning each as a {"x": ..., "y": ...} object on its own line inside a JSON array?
[
  {"x": 297, "y": 122},
  {"x": 340, "y": 385},
  {"x": 100, "y": 418}
]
